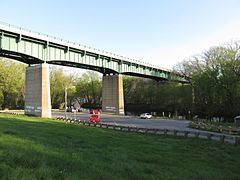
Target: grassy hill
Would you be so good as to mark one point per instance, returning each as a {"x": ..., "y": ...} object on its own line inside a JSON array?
[{"x": 35, "y": 148}]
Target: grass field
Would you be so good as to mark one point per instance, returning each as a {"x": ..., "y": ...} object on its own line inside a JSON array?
[{"x": 34, "y": 148}]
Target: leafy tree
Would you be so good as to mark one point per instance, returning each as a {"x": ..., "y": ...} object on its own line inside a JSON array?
[
  {"x": 11, "y": 84},
  {"x": 215, "y": 80},
  {"x": 59, "y": 82},
  {"x": 89, "y": 89},
  {"x": 149, "y": 95}
]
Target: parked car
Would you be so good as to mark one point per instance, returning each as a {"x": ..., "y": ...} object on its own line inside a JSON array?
[
  {"x": 71, "y": 110},
  {"x": 80, "y": 110},
  {"x": 146, "y": 116}
]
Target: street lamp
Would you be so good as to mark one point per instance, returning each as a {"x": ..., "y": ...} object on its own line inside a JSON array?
[{"x": 66, "y": 94}]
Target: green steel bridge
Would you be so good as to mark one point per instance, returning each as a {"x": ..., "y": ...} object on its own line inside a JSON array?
[{"x": 35, "y": 48}]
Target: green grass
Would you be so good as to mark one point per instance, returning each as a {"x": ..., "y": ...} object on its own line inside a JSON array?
[{"x": 34, "y": 148}]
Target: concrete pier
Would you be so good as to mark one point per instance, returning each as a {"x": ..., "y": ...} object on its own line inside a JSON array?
[
  {"x": 37, "y": 91},
  {"x": 112, "y": 94}
]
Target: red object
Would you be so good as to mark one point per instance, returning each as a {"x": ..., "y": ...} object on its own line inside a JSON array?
[{"x": 94, "y": 115}]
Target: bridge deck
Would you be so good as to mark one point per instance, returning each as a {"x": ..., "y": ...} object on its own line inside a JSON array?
[{"x": 32, "y": 47}]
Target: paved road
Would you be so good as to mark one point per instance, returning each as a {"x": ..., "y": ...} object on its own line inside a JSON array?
[{"x": 133, "y": 121}]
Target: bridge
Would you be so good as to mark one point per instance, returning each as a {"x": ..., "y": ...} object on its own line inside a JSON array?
[{"x": 38, "y": 50}]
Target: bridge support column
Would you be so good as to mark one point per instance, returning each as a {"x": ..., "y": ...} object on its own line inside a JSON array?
[
  {"x": 37, "y": 91},
  {"x": 112, "y": 94}
]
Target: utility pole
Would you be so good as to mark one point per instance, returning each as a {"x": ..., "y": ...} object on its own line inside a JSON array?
[{"x": 65, "y": 102}]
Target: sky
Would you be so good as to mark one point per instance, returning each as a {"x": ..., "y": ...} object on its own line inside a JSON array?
[{"x": 160, "y": 32}]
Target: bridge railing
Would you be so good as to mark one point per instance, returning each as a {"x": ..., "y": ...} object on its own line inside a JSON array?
[{"x": 20, "y": 30}]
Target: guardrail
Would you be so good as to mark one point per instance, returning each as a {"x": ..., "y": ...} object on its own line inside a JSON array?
[
  {"x": 222, "y": 138},
  {"x": 214, "y": 128},
  {"x": 12, "y": 113}
]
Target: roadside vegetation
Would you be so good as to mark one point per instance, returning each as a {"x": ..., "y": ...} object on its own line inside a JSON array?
[
  {"x": 35, "y": 148},
  {"x": 11, "y": 84},
  {"x": 222, "y": 127}
]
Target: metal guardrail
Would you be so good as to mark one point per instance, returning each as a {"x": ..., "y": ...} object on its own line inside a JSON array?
[
  {"x": 214, "y": 128},
  {"x": 222, "y": 138}
]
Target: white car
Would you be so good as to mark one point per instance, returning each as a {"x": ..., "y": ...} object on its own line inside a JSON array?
[{"x": 145, "y": 116}]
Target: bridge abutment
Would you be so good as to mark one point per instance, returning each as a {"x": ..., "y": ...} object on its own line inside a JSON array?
[
  {"x": 112, "y": 94},
  {"x": 37, "y": 91}
]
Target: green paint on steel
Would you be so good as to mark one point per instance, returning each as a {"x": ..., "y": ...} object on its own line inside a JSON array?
[
  {"x": 1, "y": 37},
  {"x": 33, "y": 48}
]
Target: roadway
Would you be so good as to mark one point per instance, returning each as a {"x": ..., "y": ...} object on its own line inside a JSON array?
[
  {"x": 132, "y": 121},
  {"x": 135, "y": 121}
]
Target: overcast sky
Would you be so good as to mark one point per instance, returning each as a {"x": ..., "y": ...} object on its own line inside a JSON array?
[{"x": 160, "y": 32}]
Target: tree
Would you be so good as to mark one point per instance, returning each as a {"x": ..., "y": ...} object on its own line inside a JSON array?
[
  {"x": 89, "y": 89},
  {"x": 59, "y": 81},
  {"x": 152, "y": 96},
  {"x": 215, "y": 80},
  {"x": 11, "y": 84}
]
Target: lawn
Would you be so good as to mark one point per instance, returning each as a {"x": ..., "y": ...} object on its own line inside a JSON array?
[{"x": 35, "y": 148}]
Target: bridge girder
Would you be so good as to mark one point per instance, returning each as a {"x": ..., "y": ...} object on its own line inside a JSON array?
[{"x": 35, "y": 48}]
